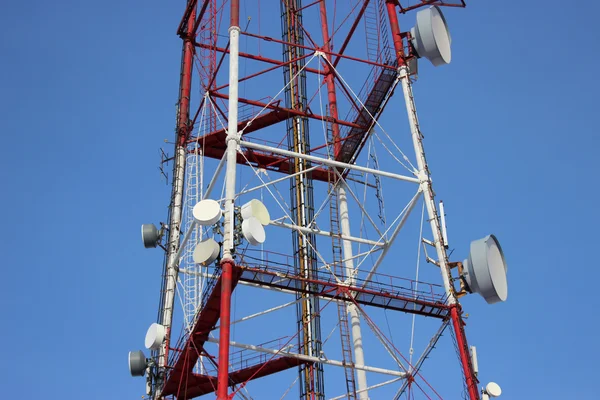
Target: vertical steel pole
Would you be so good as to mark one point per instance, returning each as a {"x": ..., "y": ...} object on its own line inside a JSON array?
[
  {"x": 227, "y": 263},
  {"x": 356, "y": 331},
  {"x": 428, "y": 197},
  {"x": 183, "y": 129},
  {"x": 343, "y": 211}
]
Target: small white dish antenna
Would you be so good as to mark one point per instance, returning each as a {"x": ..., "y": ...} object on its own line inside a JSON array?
[
  {"x": 206, "y": 251},
  {"x": 485, "y": 270},
  {"x": 207, "y": 212},
  {"x": 137, "y": 363},
  {"x": 255, "y": 208},
  {"x": 155, "y": 336},
  {"x": 150, "y": 235},
  {"x": 431, "y": 38},
  {"x": 253, "y": 231},
  {"x": 493, "y": 389}
]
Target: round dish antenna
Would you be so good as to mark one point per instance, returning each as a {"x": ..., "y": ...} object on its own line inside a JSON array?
[
  {"x": 150, "y": 235},
  {"x": 155, "y": 336},
  {"x": 430, "y": 36},
  {"x": 206, "y": 251},
  {"x": 485, "y": 270},
  {"x": 207, "y": 212},
  {"x": 493, "y": 389},
  {"x": 137, "y": 363},
  {"x": 255, "y": 208},
  {"x": 253, "y": 231}
]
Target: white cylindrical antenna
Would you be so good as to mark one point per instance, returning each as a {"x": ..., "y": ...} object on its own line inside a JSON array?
[
  {"x": 443, "y": 217},
  {"x": 474, "y": 360}
]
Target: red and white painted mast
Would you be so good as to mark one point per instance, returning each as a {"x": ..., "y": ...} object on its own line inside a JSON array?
[{"x": 227, "y": 262}]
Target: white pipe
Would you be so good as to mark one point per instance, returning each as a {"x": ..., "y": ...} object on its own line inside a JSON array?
[
  {"x": 378, "y": 385},
  {"x": 443, "y": 217},
  {"x": 173, "y": 248},
  {"x": 303, "y": 357},
  {"x": 425, "y": 183},
  {"x": 213, "y": 181},
  {"x": 232, "y": 139},
  {"x": 252, "y": 189},
  {"x": 325, "y": 233},
  {"x": 357, "y": 342},
  {"x": 325, "y": 161},
  {"x": 373, "y": 270}
]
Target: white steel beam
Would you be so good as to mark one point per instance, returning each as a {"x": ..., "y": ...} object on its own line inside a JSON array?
[
  {"x": 355, "y": 330},
  {"x": 379, "y": 260},
  {"x": 325, "y": 233},
  {"x": 325, "y": 161},
  {"x": 425, "y": 183},
  {"x": 303, "y": 357}
]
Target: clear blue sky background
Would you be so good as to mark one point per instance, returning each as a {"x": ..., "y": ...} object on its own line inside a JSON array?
[{"x": 87, "y": 95}]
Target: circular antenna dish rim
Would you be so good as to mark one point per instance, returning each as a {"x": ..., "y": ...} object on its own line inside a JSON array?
[
  {"x": 255, "y": 208},
  {"x": 150, "y": 235},
  {"x": 137, "y": 363},
  {"x": 253, "y": 231},
  {"x": 155, "y": 336},
  {"x": 485, "y": 270},
  {"x": 431, "y": 37},
  {"x": 207, "y": 212},
  {"x": 493, "y": 389},
  {"x": 206, "y": 251}
]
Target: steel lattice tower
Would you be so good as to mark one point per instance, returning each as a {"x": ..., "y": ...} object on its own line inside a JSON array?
[{"x": 300, "y": 97}]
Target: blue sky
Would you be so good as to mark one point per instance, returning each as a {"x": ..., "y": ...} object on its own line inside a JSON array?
[{"x": 88, "y": 93}]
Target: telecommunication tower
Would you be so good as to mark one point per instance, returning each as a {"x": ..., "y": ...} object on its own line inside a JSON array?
[{"x": 287, "y": 271}]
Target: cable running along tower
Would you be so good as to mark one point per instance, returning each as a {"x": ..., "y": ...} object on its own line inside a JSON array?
[{"x": 287, "y": 273}]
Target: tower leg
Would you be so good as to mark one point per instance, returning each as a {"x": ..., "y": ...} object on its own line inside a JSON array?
[
  {"x": 428, "y": 198},
  {"x": 230, "y": 176}
]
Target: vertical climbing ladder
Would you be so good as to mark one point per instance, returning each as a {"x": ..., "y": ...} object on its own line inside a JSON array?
[{"x": 339, "y": 271}]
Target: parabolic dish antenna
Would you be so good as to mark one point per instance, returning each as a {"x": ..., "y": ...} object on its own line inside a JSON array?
[
  {"x": 493, "y": 389},
  {"x": 207, "y": 212},
  {"x": 431, "y": 38},
  {"x": 150, "y": 235},
  {"x": 206, "y": 251},
  {"x": 137, "y": 363},
  {"x": 485, "y": 270},
  {"x": 155, "y": 336},
  {"x": 253, "y": 231},
  {"x": 255, "y": 208}
]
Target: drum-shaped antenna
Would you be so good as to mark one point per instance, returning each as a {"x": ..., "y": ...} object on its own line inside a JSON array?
[
  {"x": 155, "y": 336},
  {"x": 493, "y": 389},
  {"x": 207, "y": 212},
  {"x": 430, "y": 36},
  {"x": 206, "y": 251},
  {"x": 485, "y": 270},
  {"x": 255, "y": 208},
  {"x": 137, "y": 363},
  {"x": 150, "y": 235},
  {"x": 253, "y": 231}
]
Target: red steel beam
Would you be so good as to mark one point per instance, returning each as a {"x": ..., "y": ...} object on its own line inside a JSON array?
[
  {"x": 331, "y": 95},
  {"x": 225, "y": 326},
  {"x": 254, "y": 57},
  {"x": 270, "y": 39},
  {"x": 291, "y": 112},
  {"x": 463, "y": 348},
  {"x": 351, "y": 32},
  {"x": 207, "y": 320},
  {"x": 218, "y": 138},
  {"x": 267, "y": 161},
  {"x": 198, "y": 385}
]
